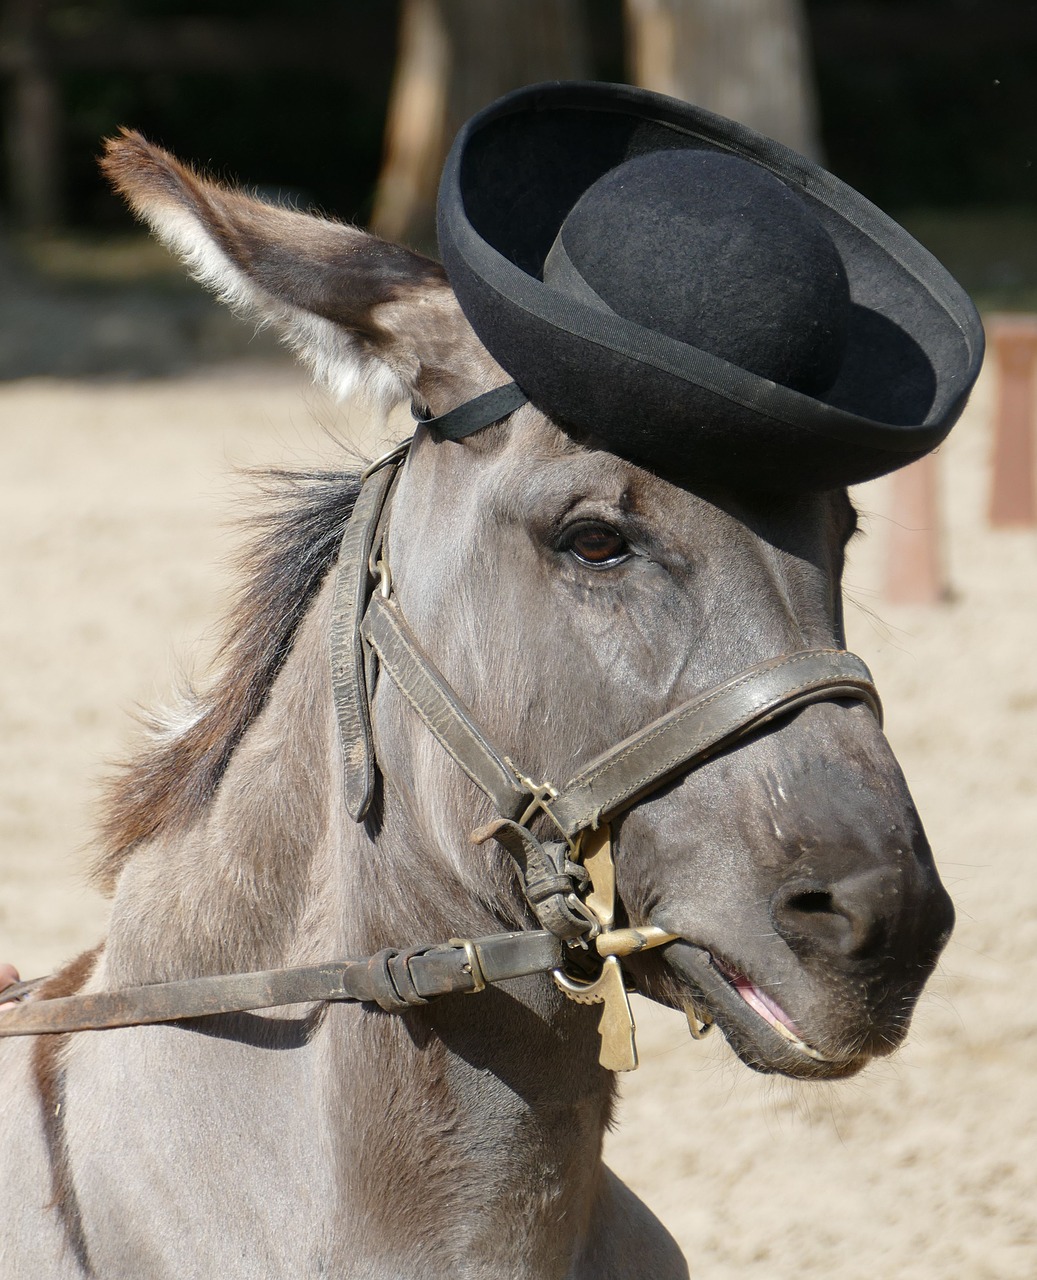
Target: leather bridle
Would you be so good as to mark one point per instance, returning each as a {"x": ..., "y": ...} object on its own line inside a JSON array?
[{"x": 568, "y": 879}]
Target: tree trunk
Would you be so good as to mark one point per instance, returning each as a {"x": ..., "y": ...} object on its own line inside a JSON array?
[
  {"x": 456, "y": 56},
  {"x": 745, "y": 59}
]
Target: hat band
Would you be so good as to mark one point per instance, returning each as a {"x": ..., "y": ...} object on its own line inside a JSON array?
[
  {"x": 561, "y": 273},
  {"x": 475, "y": 414}
]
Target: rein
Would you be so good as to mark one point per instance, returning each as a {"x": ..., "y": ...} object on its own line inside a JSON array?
[{"x": 568, "y": 880}]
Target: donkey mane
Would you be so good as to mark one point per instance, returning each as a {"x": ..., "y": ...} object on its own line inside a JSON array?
[{"x": 295, "y": 532}]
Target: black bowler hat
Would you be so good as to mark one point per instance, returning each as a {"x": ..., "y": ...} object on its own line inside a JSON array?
[{"x": 696, "y": 297}]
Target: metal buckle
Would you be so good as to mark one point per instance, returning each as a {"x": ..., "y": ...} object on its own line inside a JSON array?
[
  {"x": 577, "y": 905},
  {"x": 397, "y": 451},
  {"x": 474, "y": 965},
  {"x": 382, "y": 575},
  {"x": 541, "y": 795}
]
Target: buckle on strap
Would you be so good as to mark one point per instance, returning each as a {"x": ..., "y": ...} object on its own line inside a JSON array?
[
  {"x": 551, "y": 880},
  {"x": 474, "y": 963}
]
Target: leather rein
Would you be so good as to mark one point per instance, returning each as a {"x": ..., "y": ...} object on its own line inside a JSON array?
[{"x": 568, "y": 880}]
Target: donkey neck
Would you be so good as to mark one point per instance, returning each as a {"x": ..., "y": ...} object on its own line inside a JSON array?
[{"x": 493, "y": 1107}]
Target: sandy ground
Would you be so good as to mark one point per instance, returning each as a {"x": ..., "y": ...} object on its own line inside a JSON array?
[{"x": 114, "y": 508}]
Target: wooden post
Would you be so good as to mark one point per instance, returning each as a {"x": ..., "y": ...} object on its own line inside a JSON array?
[
  {"x": 1013, "y": 495},
  {"x": 915, "y": 572},
  {"x": 747, "y": 59},
  {"x": 455, "y": 57},
  {"x": 416, "y": 124}
]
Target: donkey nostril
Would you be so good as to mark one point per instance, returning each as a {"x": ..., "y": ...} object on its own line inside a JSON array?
[
  {"x": 845, "y": 918},
  {"x": 811, "y": 902}
]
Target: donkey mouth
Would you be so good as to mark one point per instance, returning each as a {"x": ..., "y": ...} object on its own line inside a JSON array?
[
  {"x": 761, "y": 1033},
  {"x": 768, "y": 1009}
]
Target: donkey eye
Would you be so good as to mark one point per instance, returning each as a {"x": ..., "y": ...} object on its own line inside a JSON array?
[{"x": 596, "y": 544}]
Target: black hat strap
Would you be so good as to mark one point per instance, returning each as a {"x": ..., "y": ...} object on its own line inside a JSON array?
[{"x": 475, "y": 414}]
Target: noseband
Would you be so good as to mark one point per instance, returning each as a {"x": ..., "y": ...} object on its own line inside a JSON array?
[{"x": 568, "y": 879}]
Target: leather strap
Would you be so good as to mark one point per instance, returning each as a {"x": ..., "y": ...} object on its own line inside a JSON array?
[
  {"x": 689, "y": 735},
  {"x": 348, "y": 674},
  {"x": 445, "y": 716},
  {"x": 676, "y": 742},
  {"x": 473, "y": 415},
  {"x": 549, "y": 879},
  {"x": 20, "y": 990},
  {"x": 391, "y": 979},
  {"x": 673, "y": 744}
]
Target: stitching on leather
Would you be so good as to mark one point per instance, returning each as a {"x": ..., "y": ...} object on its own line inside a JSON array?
[
  {"x": 717, "y": 739},
  {"x": 347, "y": 662}
]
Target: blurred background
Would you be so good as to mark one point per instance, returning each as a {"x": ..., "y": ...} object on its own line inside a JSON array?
[{"x": 926, "y": 106}]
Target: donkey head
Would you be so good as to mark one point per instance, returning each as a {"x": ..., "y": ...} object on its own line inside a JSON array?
[{"x": 570, "y": 597}]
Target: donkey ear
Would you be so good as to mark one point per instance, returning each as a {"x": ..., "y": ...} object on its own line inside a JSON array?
[{"x": 368, "y": 316}]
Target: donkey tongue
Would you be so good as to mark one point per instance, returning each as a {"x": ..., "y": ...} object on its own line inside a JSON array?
[{"x": 757, "y": 1000}]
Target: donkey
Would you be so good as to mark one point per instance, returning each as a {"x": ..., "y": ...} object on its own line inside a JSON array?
[{"x": 568, "y": 597}]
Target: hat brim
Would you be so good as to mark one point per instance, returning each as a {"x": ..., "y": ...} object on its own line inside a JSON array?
[{"x": 915, "y": 342}]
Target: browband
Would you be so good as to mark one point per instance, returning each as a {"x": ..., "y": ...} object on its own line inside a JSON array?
[{"x": 475, "y": 414}]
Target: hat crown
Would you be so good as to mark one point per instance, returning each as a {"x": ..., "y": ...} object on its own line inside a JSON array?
[
  {"x": 714, "y": 252},
  {"x": 667, "y": 338}
]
